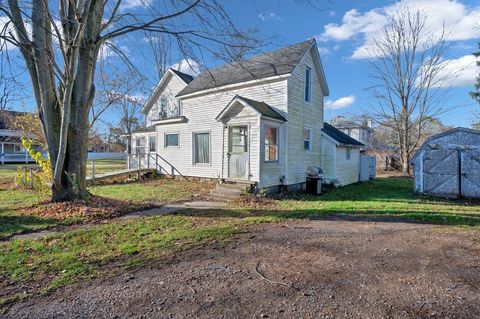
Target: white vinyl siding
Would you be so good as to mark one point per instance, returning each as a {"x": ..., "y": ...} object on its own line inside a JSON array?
[
  {"x": 347, "y": 170},
  {"x": 201, "y": 112},
  {"x": 170, "y": 103},
  {"x": 299, "y": 117},
  {"x": 328, "y": 157}
]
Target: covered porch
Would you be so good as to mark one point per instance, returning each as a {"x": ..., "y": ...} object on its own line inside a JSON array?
[
  {"x": 242, "y": 122},
  {"x": 12, "y": 151}
]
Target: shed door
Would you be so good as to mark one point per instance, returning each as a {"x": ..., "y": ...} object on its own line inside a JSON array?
[
  {"x": 470, "y": 176},
  {"x": 238, "y": 155},
  {"x": 441, "y": 172}
]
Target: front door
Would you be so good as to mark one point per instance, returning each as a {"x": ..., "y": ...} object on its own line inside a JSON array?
[{"x": 238, "y": 155}]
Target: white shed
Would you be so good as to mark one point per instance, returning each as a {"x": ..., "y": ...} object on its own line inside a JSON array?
[
  {"x": 448, "y": 164},
  {"x": 340, "y": 156}
]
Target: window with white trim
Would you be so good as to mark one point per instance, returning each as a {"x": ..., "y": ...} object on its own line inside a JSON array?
[
  {"x": 18, "y": 148},
  {"x": 171, "y": 139},
  {"x": 152, "y": 143},
  {"x": 308, "y": 84},
  {"x": 347, "y": 154},
  {"x": 201, "y": 148},
  {"x": 271, "y": 144},
  {"x": 307, "y": 138}
]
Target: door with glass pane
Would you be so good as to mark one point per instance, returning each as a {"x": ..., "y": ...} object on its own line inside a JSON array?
[{"x": 238, "y": 155}]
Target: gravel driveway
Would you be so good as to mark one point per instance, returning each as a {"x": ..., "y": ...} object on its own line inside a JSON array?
[{"x": 308, "y": 269}]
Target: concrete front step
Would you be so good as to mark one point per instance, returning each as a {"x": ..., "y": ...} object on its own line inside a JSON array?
[{"x": 226, "y": 192}]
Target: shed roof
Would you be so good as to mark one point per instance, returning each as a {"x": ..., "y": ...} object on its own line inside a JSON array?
[
  {"x": 339, "y": 136},
  {"x": 442, "y": 134},
  {"x": 278, "y": 62}
]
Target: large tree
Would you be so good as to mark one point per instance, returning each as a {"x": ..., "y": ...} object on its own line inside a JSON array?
[
  {"x": 60, "y": 43},
  {"x": 408, "y": 70},
  {"x": 476, "y": 93}
]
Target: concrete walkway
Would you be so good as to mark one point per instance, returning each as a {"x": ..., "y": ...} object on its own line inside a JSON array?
[{"x": 159, "y": 211}]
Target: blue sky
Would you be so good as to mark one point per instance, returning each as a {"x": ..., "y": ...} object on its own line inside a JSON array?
[{"x": 343, "y": 30}]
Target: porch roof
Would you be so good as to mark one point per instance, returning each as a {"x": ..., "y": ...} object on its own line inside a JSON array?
[
  {"x": 260, "y": 107},
  {"x": 10, "y": 139}
]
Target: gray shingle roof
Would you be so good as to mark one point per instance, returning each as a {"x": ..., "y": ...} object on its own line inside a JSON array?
[
  {"x": 278, "y": 62},
  {"x": 339, "y": 136},
  {"x": 187, "y": 78},
  {"x": 263, "y": 108}
]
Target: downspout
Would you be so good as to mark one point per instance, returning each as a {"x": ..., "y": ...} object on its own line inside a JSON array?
[{"x": 223, "y": 150}]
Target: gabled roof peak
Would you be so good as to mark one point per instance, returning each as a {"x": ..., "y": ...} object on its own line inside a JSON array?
[{"x": 275, "y": 63}]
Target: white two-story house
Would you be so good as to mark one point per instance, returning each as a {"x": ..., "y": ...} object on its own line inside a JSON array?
[{"x": 258, "y": 121}]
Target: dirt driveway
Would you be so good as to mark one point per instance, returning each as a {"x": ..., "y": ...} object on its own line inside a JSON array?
[{"x": 309, "y": 269}]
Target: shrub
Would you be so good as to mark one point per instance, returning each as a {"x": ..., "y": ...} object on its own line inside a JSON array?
[{"x": 37, "y": 178}]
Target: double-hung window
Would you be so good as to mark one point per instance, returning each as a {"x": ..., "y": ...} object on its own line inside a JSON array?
[
  {"x": 347, "y": 154},
  {"x": 163, "y": 107},
  {"x": 152, "y": 143},
  {"x": 271, "y": 144},
  {"x": 307, "y": 138},
  {"x": 201, "y": 148},
  {"x": 308, "y": 84}
]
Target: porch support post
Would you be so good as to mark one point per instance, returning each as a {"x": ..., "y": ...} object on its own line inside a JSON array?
[
  {"x": 26, "y": 156},
  {"x": 2, "y": 153}
]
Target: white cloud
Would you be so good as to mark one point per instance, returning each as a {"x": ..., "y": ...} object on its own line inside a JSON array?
[
  {"x": 323, "y": 51},
  {"x": 187, "y": 66},
  {"x": 341, "y": 103},
  {"x": 268, "y": 16},
  {"x": 460, "y": 22},
  {"x": 458, "y": 72}
]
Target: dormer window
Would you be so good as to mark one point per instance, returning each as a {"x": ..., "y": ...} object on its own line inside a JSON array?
[{"x": 308, "y": 84}]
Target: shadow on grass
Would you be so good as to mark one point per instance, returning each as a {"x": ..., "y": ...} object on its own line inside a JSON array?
[
  {"x": 14, "y": 225},
  {"x": 347, "y": 215}
]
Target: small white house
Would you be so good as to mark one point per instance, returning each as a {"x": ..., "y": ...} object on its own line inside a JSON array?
[
  {"x": 259, "y": 121},
  {"x": 340, "y": 156}
]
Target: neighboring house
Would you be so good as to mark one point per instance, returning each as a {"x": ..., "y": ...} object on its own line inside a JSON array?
[
  {"x": 361, "y": 131},
  {"x": 340, "y": 156},
  {"x": 448, "y": 164},
  {"x": 257, "y": 122},
  {"x": 11, "y": 148}
]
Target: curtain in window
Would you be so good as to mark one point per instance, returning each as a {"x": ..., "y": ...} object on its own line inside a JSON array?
[
  {"x": 271, "y": 146},
  {"x": 202, "y": 147}
]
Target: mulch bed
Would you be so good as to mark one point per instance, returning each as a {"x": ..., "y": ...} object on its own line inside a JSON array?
[{"x": 93, "y": 209}]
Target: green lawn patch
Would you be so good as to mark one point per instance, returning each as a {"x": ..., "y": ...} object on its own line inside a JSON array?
[
  {"x": 25, "y": 211},
  {"x": 380, "y": 198},
  {"x": 62, "y": 259}
]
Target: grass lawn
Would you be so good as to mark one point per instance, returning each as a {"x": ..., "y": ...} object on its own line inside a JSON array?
[
  {"x": 391, "y": 196},
  {"x": 32, "y": 266},
  {"x": 19, "y": 207}
]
